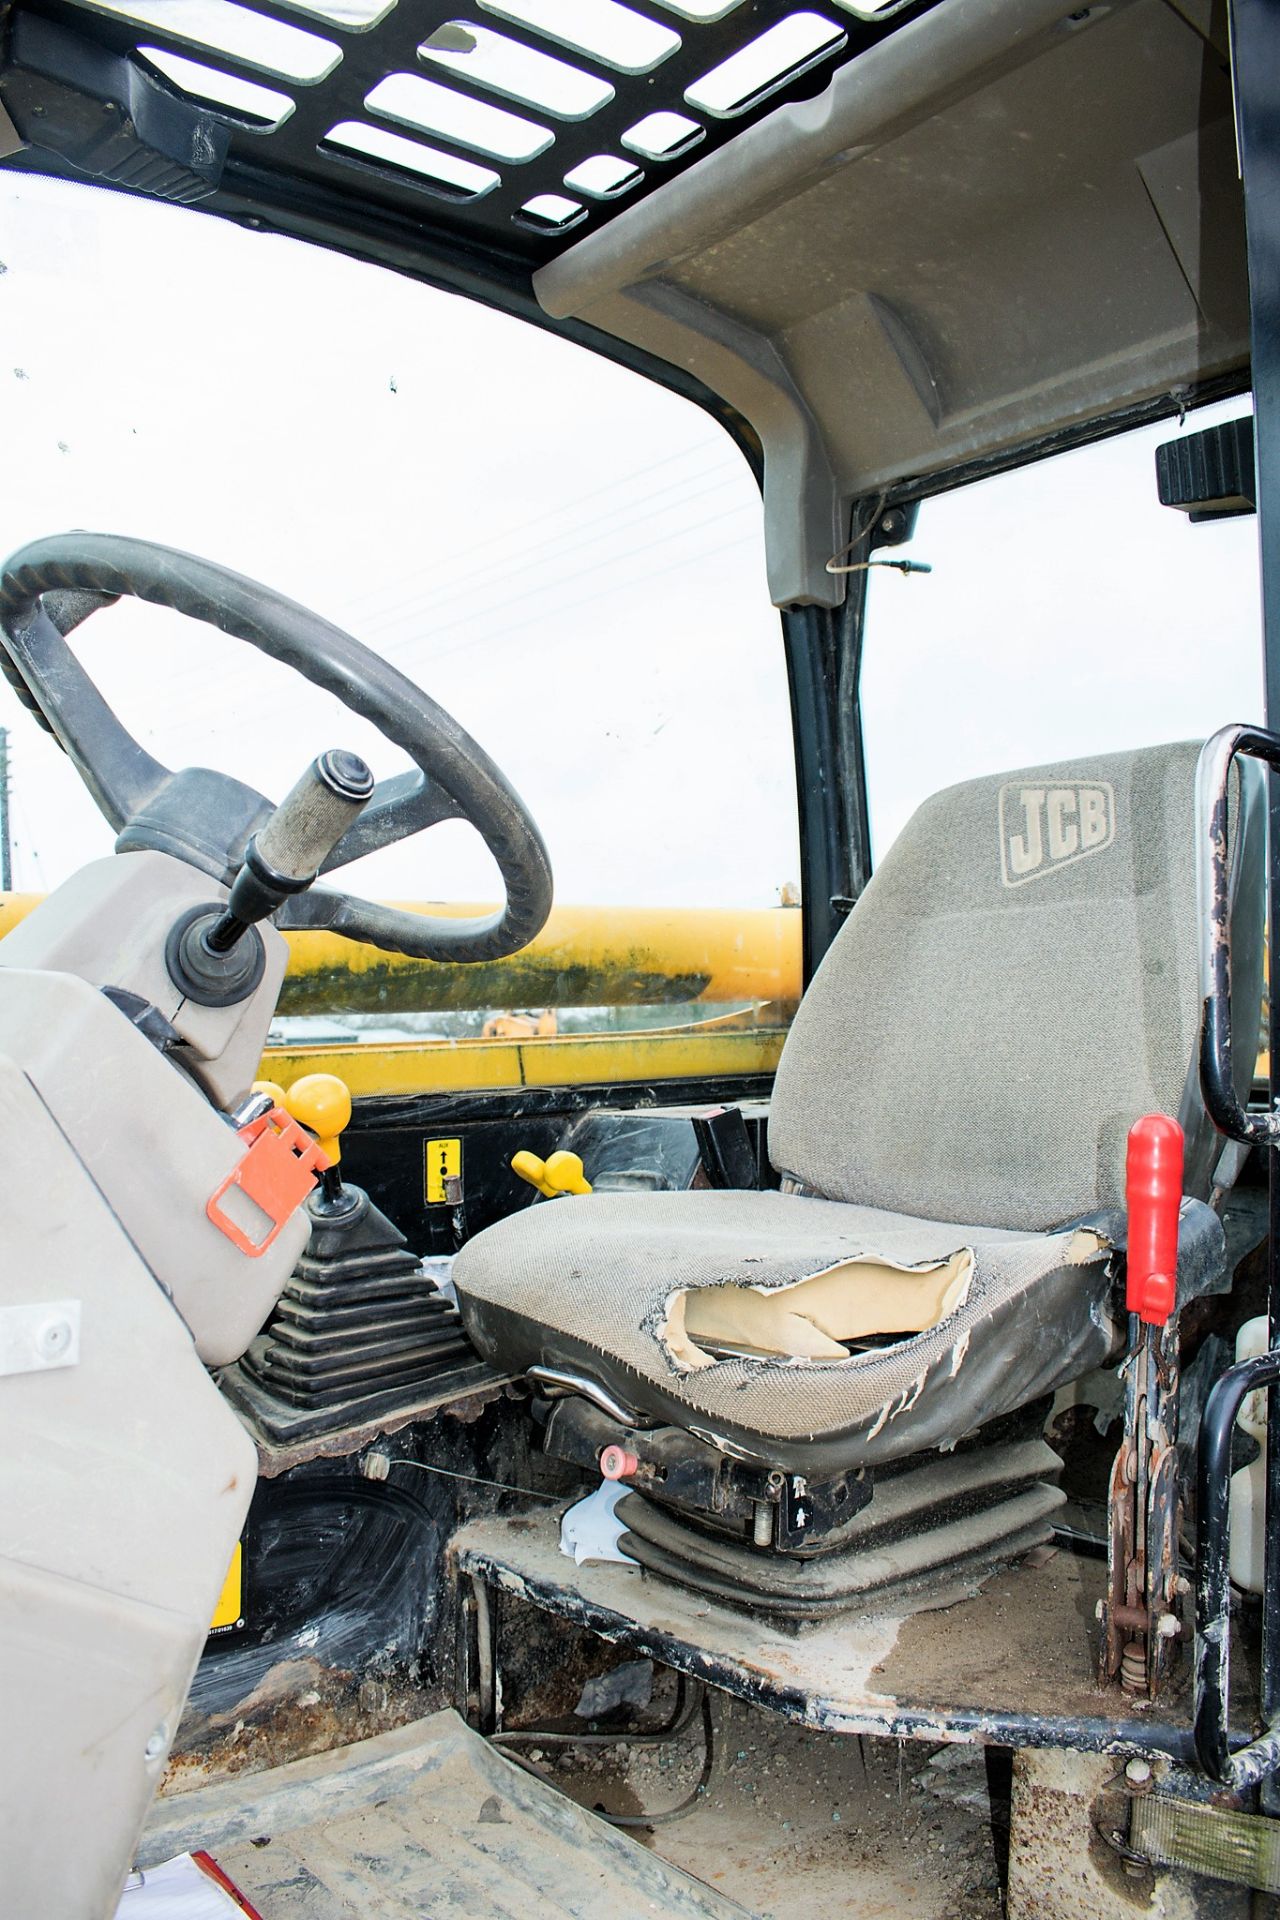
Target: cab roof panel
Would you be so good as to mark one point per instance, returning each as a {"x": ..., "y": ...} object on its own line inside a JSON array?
[{"x": 892, "y": 246}]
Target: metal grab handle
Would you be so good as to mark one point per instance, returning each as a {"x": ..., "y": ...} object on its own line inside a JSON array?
[
  {"x": 1213, "y": 890},
  {"x": 1261, "y": 1757}
]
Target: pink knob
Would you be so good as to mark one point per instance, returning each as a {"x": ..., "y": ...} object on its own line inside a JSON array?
[{"x": 617, "y": 1464}]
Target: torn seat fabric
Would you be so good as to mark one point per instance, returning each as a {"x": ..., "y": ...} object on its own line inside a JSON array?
[
  {"x": 589, "y": 1283},
  {"x": 1014, "y": 988}
]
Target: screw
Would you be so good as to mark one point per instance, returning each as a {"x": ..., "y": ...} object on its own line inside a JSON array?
[
  {"x": 1138, "y": 1773},
  {"x": 156, "y": 1744},
  {"x": 53, "y": 1339}
]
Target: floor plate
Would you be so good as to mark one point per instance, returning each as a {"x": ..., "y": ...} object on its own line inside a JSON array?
[
  {"x": 1015, "y": 1664},
  {"x": 426, "y": 1821}
]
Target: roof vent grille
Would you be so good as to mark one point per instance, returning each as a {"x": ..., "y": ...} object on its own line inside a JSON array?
[
  {"x": 505, "y": 66},
  {"x": 782, "y": 53},
  {"x": 515, "y": 124}
]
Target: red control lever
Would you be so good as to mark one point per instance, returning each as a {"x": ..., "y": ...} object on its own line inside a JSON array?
[{"x": 1153, "y": 1194}]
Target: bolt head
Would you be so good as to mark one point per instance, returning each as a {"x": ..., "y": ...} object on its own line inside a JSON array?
[
  {"x": 156, "y": 1745},
  {"x": 54, "y": 1338},
  {"x": 1138, "y": 1773}
]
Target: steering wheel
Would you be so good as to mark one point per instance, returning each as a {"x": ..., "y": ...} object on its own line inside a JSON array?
[{"x": 48, "y": 587}]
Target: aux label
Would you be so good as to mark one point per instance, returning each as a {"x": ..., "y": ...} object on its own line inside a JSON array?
[{"x": 1044, "y": 828}]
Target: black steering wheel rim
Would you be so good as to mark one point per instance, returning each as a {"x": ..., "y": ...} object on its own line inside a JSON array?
[{"x": 49, "y": 586}]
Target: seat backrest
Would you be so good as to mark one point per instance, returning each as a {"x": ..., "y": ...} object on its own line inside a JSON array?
[{"x": 1017, "y": 985}]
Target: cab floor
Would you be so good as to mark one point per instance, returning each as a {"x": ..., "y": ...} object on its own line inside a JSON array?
[
  {"x": 427, "y": 1820},
  {"x": 795, "y": 1822}
]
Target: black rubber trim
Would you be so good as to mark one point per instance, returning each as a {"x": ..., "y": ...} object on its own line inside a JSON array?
[
  {"x": 755, "y": 1587},
  {"x": 232, "y": 976}
]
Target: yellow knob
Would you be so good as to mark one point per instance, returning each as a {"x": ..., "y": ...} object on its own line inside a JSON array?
[
  {"x": 563, "y": 1173},
  {"x": 530, "y": 1168},
  {"x": 560, "y": 1173},
  {"x": 321, "y": 1103},
  {"x": 273, "y": 1088}
]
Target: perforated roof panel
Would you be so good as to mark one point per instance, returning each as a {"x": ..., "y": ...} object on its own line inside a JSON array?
[
  {"x": 507, "y": 124},
  {"x": 892, "y": 245}
]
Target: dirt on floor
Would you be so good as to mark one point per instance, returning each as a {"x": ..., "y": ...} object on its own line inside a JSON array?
[{"x": 795, "y": 1823}]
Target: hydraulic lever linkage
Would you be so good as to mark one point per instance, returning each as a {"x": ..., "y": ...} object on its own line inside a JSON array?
[{"x": 1141, "y": 1614}]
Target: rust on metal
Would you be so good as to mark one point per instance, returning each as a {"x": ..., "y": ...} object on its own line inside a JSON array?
[
  {"x": 1141, "y": 1613},
  {"x": 300, "y": 1707}
]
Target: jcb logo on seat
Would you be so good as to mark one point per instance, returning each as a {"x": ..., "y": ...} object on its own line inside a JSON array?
[{"x": 1044, "y": 828}]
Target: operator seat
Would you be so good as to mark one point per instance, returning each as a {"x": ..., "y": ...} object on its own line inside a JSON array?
[{"x": 1014, "y": 988}]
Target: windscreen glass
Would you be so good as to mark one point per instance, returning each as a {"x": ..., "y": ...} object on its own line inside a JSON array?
[{"x": 565, "y": 556}]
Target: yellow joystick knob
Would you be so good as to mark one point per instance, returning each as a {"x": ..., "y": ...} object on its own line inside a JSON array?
[
  {"x": 561, "y": 1173},
  {"x": 321, "y": 1103},
  {"x": 534, "y": 1170},
  {"x": 273, "y": 1088}
]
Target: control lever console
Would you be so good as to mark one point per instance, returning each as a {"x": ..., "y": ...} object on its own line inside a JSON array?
[{"x": 213, "y": 954}]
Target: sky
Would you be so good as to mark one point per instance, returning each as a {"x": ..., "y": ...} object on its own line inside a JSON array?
[
  {"x": 565, "y": 556},
  {"x": 1067, "y": 613}
]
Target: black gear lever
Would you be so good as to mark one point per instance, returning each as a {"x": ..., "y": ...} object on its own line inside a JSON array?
[{"x": 212, "y": 953}]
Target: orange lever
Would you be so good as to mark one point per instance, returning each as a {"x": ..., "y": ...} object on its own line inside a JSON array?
[
  {"x": 1153, "y": 1195},
  {"x": 275, "y": 1176}
]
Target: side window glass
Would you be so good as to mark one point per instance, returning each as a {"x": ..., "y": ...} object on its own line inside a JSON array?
[{"x": 1068, "y": 613}]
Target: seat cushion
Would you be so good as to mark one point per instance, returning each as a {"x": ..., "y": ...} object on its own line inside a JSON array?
[{"x": 598, "y": 1284}]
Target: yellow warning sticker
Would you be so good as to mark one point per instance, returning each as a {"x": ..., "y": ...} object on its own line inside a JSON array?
[
  {"x": 230, "y": 1607},
  {"x": 443, "y": 1162}
]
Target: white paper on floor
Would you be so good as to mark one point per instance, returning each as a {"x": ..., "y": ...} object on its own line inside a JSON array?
[{"x": 178, "y": 1890}]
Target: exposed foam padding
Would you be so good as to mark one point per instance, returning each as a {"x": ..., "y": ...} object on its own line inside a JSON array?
[{"x": 812, "y": 1318}]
